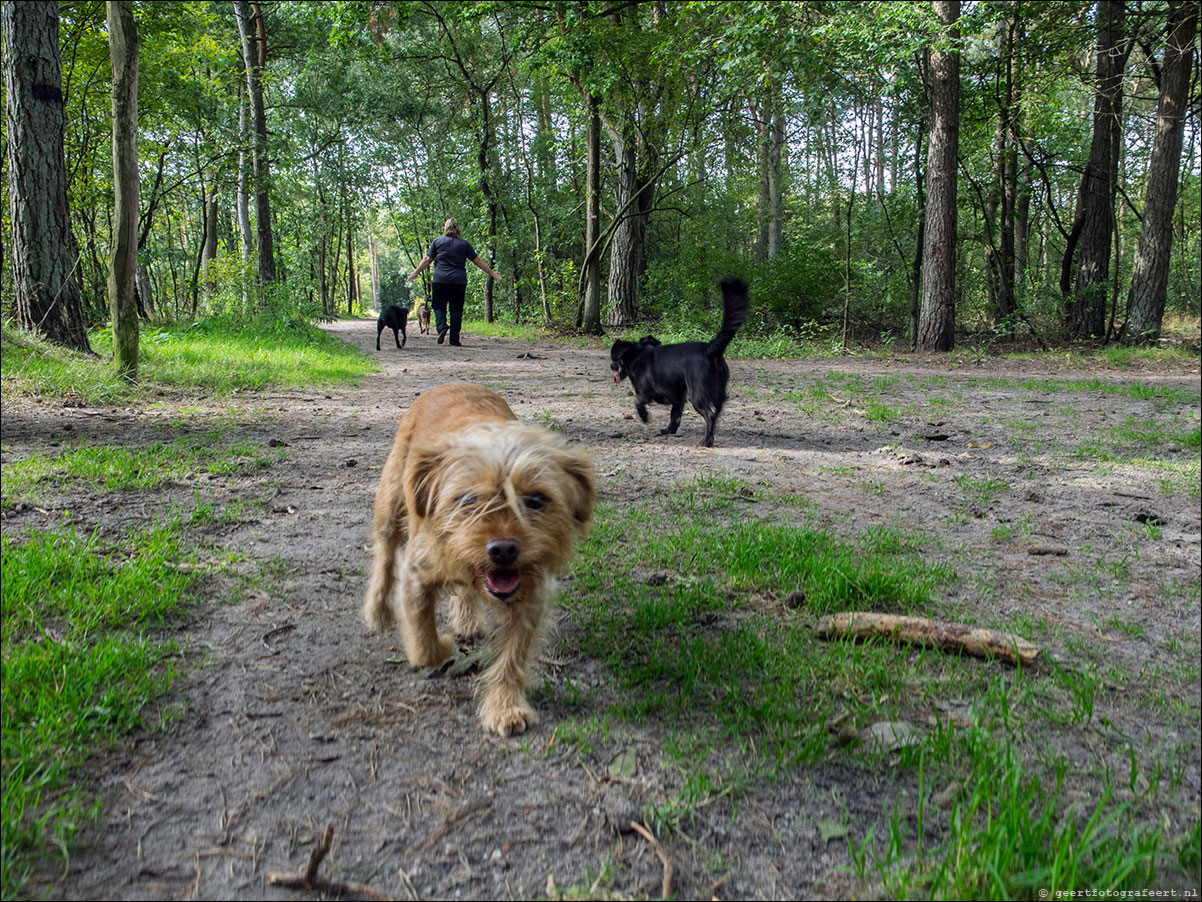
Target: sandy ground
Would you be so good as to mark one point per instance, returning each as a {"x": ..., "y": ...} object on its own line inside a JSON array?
[{"x": 290, "y": 716}]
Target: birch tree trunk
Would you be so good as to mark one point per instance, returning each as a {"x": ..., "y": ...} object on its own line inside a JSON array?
[{"x": 123, "y": 268}]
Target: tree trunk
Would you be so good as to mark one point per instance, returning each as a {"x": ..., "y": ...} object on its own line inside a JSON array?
[
  {"x": 254, "y": 54},
  {"x": 484, "y": 161},
  {"x": 145, "y": 286},
  {"x": 626, "y": 247},
  {"x": 770, "y": 129},
  {"x": 246, "y": 241},
  {"x": 1149, "y": 282},
  {"x": 937, "y": 315},
  {"x": 921, "y": 200},
  {"x": 590, "y": 272},
  {"x": 759, "y": 118},
  {"x": 1087, "y": 254},
  {"x": 776, "y": 183},
  {"x": 123, "y": 268},
  {"x": 1004, "y": 195},
  {"x": 210, "y": 245},
  {"x": 44, "y": 269},
  {"x": 352, "y": 281},
  {"x": 374, "y": 252}
]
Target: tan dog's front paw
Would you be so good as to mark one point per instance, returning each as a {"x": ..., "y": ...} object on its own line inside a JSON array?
[
  {"x": 432, "y": 655},
  {"x": 465, "y": 617},
  {"x": 508, "y": 721},
  {"x": 377, "y": 615}
]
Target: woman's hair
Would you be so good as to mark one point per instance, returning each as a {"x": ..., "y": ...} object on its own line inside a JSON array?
[{"x": 450, "y": 228}]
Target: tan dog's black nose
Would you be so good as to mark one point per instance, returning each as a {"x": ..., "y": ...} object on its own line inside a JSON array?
[{"x": 503, "y": 552}]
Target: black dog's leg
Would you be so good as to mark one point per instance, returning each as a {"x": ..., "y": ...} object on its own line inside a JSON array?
[
  {"x": 673, "y": 419},
  {"x": 379, "y": 332},
  {"x": 710, "y": 413},
  {"x": 641, "y": 409},
  {"x": 396, "y": 336}
]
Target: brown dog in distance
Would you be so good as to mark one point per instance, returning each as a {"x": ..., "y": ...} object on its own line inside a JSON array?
[
  {"x": 480, "y": 510},
  {"x": 423, "y": 318}
]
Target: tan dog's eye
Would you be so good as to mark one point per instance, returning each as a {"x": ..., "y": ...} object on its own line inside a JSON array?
[
  {"x": 536, "y": 502},
  {"x": 467, "y": 500}
]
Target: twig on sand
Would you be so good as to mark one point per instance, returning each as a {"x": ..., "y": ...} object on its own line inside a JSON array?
[
  {"x": 663, "y": 856},
  {"x": 308, "y": 879}
]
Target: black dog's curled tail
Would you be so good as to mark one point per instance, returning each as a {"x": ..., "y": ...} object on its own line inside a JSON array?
[{"x": 734, "y": 313}]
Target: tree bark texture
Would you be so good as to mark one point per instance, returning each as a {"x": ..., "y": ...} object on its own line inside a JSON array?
[
  {"x": 937, "y": 314},
  {"x": 769, "y": 120},
  {"x": 484, "y": 161},
  {"x": 1150, "y": 280},
  {"x": 123, "y": 263},
  {"x": 44, "y": 267},
  {"x": 1003, "y": 199},
  {"x": 245, "y": 236},
  {"x": 626, "y": 248},
  {"x": 590, "y": 275},
  {"x": 253, "y": 34},
  {"x": 1087, "y": 255}
]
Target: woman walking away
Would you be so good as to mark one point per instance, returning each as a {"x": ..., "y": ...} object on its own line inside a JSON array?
[{"x": 450, "y": 254}]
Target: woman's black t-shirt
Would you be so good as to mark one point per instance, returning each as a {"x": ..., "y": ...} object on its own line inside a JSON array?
[{"x": 450, "y": 256}]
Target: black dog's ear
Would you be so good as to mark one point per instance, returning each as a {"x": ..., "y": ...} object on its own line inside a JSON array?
[{"x": 649, "y": 341}]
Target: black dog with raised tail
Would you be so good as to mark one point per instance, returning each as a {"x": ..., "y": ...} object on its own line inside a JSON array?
[{"x": 694, "y": 371}]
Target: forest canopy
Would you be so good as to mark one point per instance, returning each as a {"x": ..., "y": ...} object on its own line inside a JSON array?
[{"x": 301, "y": 156}]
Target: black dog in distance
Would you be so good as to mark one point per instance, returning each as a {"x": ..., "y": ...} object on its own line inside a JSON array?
[
  {"x": 394, "y": 318},
  {"x": 694, "y": 371}
]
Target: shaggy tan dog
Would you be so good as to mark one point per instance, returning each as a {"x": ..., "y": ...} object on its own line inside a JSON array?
[
  {"x": 423, "y": 318},
  {"x": 482, "y": 510}
]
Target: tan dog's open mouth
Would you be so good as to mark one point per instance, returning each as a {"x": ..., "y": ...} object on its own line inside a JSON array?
[{"x": 502, "y": 583}]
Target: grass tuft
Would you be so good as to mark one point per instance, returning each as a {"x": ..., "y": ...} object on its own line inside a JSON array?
[{"x": 80, "y": 662}]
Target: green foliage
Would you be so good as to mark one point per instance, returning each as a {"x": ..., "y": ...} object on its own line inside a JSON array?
[
  {"x": 394, "y": 290},
  {"x": 689, "y": 87},
  {"x": 81, "y": 659}
]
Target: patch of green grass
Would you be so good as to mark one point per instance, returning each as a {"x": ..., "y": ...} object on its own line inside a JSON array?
[
  {"x": 79, "y": 665},
  {"x": 213, "y": 356},
  {"x": 880, "y": 412},
  {"x": 983, "y": 490},
  {"x": 1010, "y": 833},
  {"x": 499, "y": 329},
  {"x": 720, "y": 647},
  {"x": 1120, "y": 357},
  {"x": 118, "y": 468}
]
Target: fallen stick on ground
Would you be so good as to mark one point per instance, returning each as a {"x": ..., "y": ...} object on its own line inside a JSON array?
[
  {"x": 308, "y": 879},
  {"x": 972, "y": 640},
  {"x": 663, "y": 856}
]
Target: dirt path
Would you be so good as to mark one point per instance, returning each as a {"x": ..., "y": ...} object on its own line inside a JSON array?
[{"x": 293, "y": 717}]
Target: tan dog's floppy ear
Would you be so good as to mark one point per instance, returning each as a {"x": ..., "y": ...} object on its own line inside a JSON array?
[
  {"x": 579, "y": 469},
  {"x": 422, "y": 479}
]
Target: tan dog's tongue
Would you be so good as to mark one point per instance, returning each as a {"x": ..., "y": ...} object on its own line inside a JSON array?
[{"x": 503, "y": 582}]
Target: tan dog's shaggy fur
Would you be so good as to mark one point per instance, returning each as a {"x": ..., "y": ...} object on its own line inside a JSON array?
[{"x": 478, "y": 508}]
